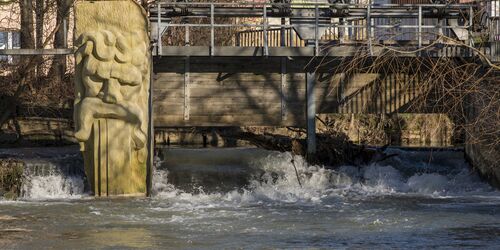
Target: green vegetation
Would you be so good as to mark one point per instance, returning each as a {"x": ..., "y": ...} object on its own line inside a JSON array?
[{"x": 11, "y": 178}]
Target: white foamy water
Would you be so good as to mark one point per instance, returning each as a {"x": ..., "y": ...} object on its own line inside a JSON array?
[
  {"x": 272, "y": 178},
  {"x": 276, "y": 181},
  {"x": 410, "y": 201},
  {"x": 52, "y": 186}
]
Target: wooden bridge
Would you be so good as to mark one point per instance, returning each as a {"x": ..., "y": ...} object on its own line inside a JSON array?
[
  {"x": 234, "y": 64},
  {"x": 275, "y": 64}
]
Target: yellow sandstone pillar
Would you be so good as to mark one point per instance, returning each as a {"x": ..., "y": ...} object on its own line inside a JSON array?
[{"x": 112, "y": 89}]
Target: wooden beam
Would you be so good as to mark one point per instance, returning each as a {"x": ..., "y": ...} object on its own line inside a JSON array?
[
  {"x": 187, "y": 90},
  {"x": 27, "y": 52}
]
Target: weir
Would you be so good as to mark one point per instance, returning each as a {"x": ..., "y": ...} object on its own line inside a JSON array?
[
  {"x": 242, "y": 64},
  {"x": 216, "y": 85}
]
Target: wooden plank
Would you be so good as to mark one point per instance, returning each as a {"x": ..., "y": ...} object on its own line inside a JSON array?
[
  {"x": 162, "y": 95},
  {"x": 225, "y": 120},
  {"x": 168, "y": 109},
  {"x": 249, "y": 93}
]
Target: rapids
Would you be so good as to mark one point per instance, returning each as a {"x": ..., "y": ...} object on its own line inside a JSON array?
[{"x": 250, "y": 198}]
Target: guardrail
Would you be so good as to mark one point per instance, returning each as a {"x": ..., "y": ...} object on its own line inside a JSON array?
[{"x": 311, "y": 24}]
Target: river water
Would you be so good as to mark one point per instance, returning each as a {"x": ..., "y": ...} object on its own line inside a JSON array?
[{"x": 249, "y": 198}]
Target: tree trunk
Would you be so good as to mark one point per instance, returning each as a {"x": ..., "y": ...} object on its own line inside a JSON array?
[
  {"x": 39, "y": 16},
  {"x": 58, "y": 67},
  {"x": 25, "y": 71},
  {"x": 27, "y": 34},
  {"x": 27, "y": 31}
]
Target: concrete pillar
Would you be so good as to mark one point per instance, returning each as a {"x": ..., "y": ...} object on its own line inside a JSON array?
[{"x": 311, "y": 113}]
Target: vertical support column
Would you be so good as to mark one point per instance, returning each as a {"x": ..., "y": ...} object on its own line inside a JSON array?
[
  {"x": 158, "y": 27},
  {"x": 469, "y": 35},
  {"x": 10, "y": 45},
  {"x": 316, "y": 30},
  {"x": 311, "y": 113},
  {"x": 369, "y": 28},
  {"x": 283, "y": 89},
  {"x": 151, "y": 134},
  {"x": 441, "y": 22},
  {"x": 186, "y": 36},
  {"x": 212, "y": 34},
  {"x": 342, "y": 31},
  {"x": 282, "y": 31},
  {"x": 264, "y": 24},
  {"x": 187, "y": 90},
  {"x": 419, "y": 29}
]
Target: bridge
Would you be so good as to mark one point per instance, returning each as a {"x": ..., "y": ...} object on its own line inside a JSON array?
[{"x": 274, "y": 64}]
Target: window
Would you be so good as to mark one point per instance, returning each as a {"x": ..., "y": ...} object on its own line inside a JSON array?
[{"x": 9, "y": 40}]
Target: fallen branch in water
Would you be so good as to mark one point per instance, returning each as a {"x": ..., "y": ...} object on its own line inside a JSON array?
[
  {"x": 333, "y": 149},
  {"x": 296, "y": 172}
]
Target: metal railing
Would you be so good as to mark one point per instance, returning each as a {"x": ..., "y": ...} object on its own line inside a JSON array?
[
  {"x": 341, "y": 23},
  {"x": 493, "y": 8},
  {"x": 280, "y": 37}
]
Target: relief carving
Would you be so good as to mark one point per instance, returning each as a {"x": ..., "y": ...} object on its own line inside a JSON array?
[
  {"x": 112, "y": 77},
  {"x": 112, "y": 73}
]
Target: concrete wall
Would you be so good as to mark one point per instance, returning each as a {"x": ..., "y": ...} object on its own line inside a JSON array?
[{"x": 481, "y": 147}]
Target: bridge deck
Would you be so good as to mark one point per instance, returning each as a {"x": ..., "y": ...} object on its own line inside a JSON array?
[{"x": 327, "y": 51}]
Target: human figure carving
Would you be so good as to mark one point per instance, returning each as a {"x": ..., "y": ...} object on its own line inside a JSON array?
[
  {"x": 112, "y": 80},
  {"x": 112, "y": 70}
]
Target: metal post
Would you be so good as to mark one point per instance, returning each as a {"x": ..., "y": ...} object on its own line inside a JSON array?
[
  {"x": 266, "y": 49},
  {"x": 311, "y": 113},
  {"x": 10, "y": 45},
  {"x": 283, "y": 31},
  {"x": 187, "y": 90},
  {"x": 369, "y": 28},
  {"x": 283, "y": 89},
  {"x": 316, "y": 30},
  {"x": 151, "y": 134},
  {"x": 342, "y": 30},
  {"x": 212, "y": 34},
  {"x": 158, "y": 27},
  {"x": 186, "y": 36},
  {"x": 419, "y": 31},
  {"x": 469, "y": 35}
]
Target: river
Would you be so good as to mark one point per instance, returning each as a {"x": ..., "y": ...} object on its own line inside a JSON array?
[{"x": 250, "y": 198}]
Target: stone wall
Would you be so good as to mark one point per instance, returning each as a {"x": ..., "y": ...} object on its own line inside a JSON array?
[
  {"x": 482, "y": 148},
  {"x": 420, "y": 130}
]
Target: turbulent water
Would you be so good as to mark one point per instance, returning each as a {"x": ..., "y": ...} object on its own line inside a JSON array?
[{"x": 248, "y": 198}]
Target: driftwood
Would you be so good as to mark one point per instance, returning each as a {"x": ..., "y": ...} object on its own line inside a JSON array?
[{"x": 333, "y": 149}]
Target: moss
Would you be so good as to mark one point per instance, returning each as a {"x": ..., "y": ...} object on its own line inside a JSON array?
[{"x": 11, "y": 177}]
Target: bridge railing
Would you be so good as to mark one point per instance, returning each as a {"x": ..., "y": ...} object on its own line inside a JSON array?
[
  {"x": 268, "y": 25},
  {"x": 493, "y": 10}
]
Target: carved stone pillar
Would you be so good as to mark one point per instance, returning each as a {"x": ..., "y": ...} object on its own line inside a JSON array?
[{"x": 112, "y": 85}]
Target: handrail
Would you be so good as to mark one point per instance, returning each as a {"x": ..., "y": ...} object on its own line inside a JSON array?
[{"x": 339, "y": 23}]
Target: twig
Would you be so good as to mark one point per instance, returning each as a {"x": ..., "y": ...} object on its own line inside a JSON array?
[{"x": 296, "y": 172}]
